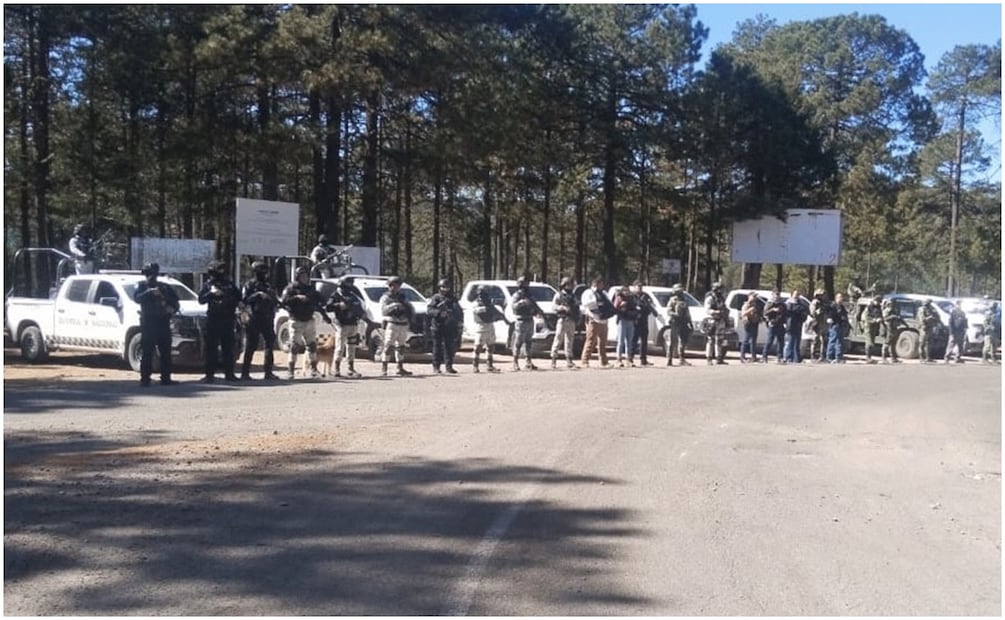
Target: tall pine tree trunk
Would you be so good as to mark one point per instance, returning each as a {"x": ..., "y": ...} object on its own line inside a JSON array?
[
  {"x": 332, "y": 170},
  {"x": 370, "y": 200},
  {"x": 40, "y": 122},
  {"x": 270, "y": 169}
]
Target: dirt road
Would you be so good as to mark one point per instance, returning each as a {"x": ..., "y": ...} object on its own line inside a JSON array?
[{"x": 735, "y": 490}]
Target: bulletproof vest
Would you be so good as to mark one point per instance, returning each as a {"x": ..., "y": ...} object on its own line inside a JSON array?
[
  {"x": 401, "y": 312},
  {"x": 300, "y": 309},
  {"x": 222, "y": 306},
  {"x": 678, "y": 307},
  {"x": 442, "y": 308},
  {"x": 565, "y": 298},
  {"x": 353, "y": 311},
  {"x": 713, "y": 301},
  {"x": 523, "y": 305},
  {"x": 260, "y": 306}
]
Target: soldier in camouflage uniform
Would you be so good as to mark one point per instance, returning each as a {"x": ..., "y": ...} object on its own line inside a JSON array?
[
  {"x": 715, "y": 322},
  {"x": 567, "y": 309},
  {"x": 818, "y": 317},
  {"x": 992, "y": 334},
  {"x": 486, "y": 315},
  {"x": 679, "y": 326},
  {"x": 396, "y": 313},
  {"x": 928, "y": 323},
  {"x": 525, "y": 309},
  {"x": 894, "y": 326},
  {"x": 957, "y": 333},
  {"x": 872, "y": 320}
]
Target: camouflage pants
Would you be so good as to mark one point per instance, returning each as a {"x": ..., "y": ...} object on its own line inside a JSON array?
[
  {"x": 925, "y": 344},
  {"x": 990, "y": 343},
  {"x": 347, "y": 337},
  {"x": 676, "y": 341},
  {"x": 890, "y": 344},
  {"x": 565, "y": 331},
  {"x": 820, "y": 339}
]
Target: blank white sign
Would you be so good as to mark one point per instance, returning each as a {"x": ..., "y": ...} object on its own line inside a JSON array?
[
  {"x": 806, "y": 237},
  {"x": 267, "y": 228}
]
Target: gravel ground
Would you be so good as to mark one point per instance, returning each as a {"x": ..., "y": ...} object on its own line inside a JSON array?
[{"x": 734, "y": 490}]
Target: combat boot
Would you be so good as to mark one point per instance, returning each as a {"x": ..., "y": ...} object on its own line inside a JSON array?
[
  {"x": 291, "y": 370},
  {"x": 401, "y": 370},
  {"x": 516, "y": 366},
  {"x": 338, "y": 369},
  {"x": 314, "y": 370},
  {"x": 450, "y": 369},
  {"x": 352, "y": 372},
  {"x": 554, "y": 362},
  {"x": 383, "y": 369}
]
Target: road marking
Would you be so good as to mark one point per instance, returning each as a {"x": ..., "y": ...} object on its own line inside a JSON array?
[{"x": 460, "y": 601}]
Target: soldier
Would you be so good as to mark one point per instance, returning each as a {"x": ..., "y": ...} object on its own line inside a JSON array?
[
  {"x": 775, "y": 315},
  {"x": 397, "y": 313},
  {"x": 347, "y": 306},
  {"x": 301, "y": 299},
  {"x": 837, "y": 323},
  {"x": 486, "y": 314},
  {"x": 992, "y": 334},
  {"x": 640, "y": 341},
  {"x": 525, "y": 309},
  {"x": 446, "y": 317},
  {"x": 598, "y": 308},
  {"x": 750, "y": 320},
  {"x": 567, "y": 309},
  {"x": 82, "y": 248},
  {"x": 627, "y": 307},
  {"x": 957, "y": 332},
  {"x": 679, "y": 326},
  {"x": 928, "y": 323},
  {"x": 894, "y": 326},
  {"x": 221, "y": 298},
  {"x": 819, "y": 312},
  {"x": 158, "y": 303},
  {"x": 715, "y": 325},
  {"x": 855, "y": 290},
  {"x": 795, "y": 316},
  {"x": 871, "y": 317},
  {"x": 261, "y": 301}
]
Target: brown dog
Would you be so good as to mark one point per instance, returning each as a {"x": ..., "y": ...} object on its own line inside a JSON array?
[{"x": 326, "y": 353}]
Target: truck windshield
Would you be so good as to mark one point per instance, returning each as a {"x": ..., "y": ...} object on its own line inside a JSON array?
[
  {"x": 537, "y": 293},
  {"x": 376, "y": 292},
  {"x": 184, "y": 293}
]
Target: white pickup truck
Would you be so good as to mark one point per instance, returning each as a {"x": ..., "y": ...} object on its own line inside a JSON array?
[{"x": 97, "y": 313}]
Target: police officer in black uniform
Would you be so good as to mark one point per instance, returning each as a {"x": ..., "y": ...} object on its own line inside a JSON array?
[
  {"x": 260, "y": 300},
  {"x": 221, "y": 298},
  {"x": 158, "y": 302},
  {"x": 446, "y": 316},
  {"x": 640, "y": 339}
]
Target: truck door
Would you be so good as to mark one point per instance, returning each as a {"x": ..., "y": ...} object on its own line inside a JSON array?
[
  {"x": 104, "y": 314},
  {"x": 71, "y": 312}
]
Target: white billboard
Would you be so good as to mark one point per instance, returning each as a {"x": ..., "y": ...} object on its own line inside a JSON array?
[
  {"x": 805, "y": 237},
  {"x": 267, "y": 228},
  {"x": 172, "y": 255}
]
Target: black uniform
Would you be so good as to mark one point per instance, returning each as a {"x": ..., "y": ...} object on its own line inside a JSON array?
[
  {"x": 221, "y": 298},
  {"x": 352, "y": 313},
  {"x": 158, "y": 302},
  {"x": 261, "y": 301},
  {"x": 446, "y": 317},
  {"x": 640, "y": 341},
  {"x": 774, "y": 317}
]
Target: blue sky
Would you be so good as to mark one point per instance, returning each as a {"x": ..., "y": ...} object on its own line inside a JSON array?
[{"x": 936, "y": 28}]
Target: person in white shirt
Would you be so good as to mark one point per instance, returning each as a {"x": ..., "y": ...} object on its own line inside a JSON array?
[{"x": 597, "y": 308}]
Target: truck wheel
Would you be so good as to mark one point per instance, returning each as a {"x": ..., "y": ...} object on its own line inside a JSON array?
[
  {"x": 33, "y": 348},
  {"x": 908, "y": 345},
  {"x": 283, "y": 336},
  {"x": 134, "y": 354}
]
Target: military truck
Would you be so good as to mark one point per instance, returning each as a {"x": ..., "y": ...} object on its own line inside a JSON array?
[{"x": 908, "y": 345}]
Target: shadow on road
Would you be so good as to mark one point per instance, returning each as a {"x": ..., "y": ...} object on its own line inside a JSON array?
[{"x": 276, "y": 529}]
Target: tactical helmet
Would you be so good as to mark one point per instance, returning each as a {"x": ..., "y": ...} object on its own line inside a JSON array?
[
  {"x": 444, "y": 284},
  {"x": 394, "y": 281},
  {"x": 677, "y": 289},
  {"x": 323, "y": 239},
  {"x": 79, "y": 228},
  {"x": 216, "y": 267},
  {"x": 259, "y": 267},
  {"x": 151, "y": 269},
  {"x": 482, "y": 291},
  {"x": 301, "y": 271},
  {"x": 717, "y": 286},
  {"x": 522, "y": 282},
  {"x": 567, "y": 281}
]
